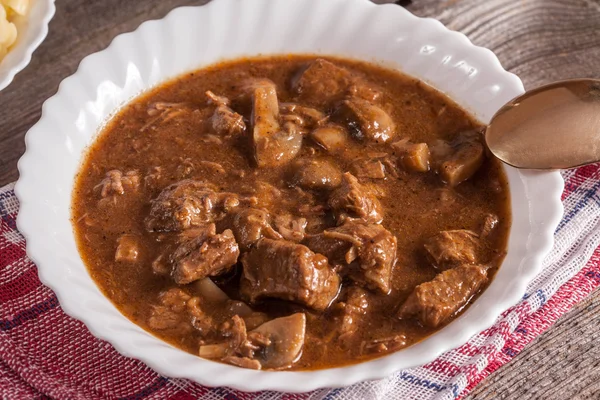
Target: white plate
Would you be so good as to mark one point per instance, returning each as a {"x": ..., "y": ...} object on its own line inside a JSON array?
[
  {"x": 31, "y": 30},
  {"x": 191, "y": 37}
]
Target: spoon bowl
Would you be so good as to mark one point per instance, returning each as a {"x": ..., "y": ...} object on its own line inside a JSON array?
[{"x": 556, "y": 126}]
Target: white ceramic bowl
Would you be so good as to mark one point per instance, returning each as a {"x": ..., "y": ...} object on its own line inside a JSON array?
[
  {"x": 32, "y": 30},
  {"x": 192, "y": 37}
]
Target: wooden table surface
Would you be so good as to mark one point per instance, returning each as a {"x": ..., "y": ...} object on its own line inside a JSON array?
[{"x": 539, "y": 40}]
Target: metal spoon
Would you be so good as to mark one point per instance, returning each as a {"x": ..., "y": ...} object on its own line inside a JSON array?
[{"x": 556, "y": 126}]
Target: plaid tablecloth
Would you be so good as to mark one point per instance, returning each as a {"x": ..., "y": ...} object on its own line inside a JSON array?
[{"x": 46, "y": 354}]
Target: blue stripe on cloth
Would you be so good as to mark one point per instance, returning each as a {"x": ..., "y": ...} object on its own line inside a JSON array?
[
  {"x": 227, "y": 395},
  {"x": 6, "y": 195},
  {"x": 428, "y": 384},
  {"x": 29, "y": 314},
  {"x": 539, "y": 293},
  {"x": 148, "y": 390},
  {"x": 9, "y": 219},
  {"x": 509, "y": 352},
  {"x": 593, "y": 275},
  {"x": 589, "y": 194},
  {"x": 331, "y": 395}
]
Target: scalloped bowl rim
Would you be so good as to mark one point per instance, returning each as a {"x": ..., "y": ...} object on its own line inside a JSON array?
[
  {"x": 35, "y": 35},
  {"x": 540, "y": 190}
]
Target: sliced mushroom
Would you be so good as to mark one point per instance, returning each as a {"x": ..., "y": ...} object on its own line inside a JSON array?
[
  {"x": 466, "y": 156},
  {"x": 286, "y": 336},
  {"x": 274, "y": 144},
  {"x": 412, "y": 156},
  {"x": 365, "y": 120},
  {"x": 331, "y": 137},
  {"x": 315, "y": 174},
  {"x": 209, "y": 291}
]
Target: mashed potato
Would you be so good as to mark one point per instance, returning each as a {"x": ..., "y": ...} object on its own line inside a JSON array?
[{"x": 9, "y": 9}]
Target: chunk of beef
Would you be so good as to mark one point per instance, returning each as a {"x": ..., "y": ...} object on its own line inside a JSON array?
[
  {"x": 235, "y": 331},
  {"x": 227, "y": 122},
  {"x": 289, "y": 271},
  {"x": 332, "y": 138},
  {"x": 128, "y": 249},
  {"x": 351, "y": 310},
  {"x": 465, "y": 159},
  {"x": 412, "y": 156},
  {"x": 369, "y": 168},
  {"x": 335, "y": 250},
  {"x": 353, "y": 201},
  {"x": 233, "y": 342},
  {"x": 179, "y": 312},
  {"x": 202, "y": 319},
  {"x": 189, "y": 241},
  {"x": 250, "y": 225},
  {"x": 274, "y": 144},
  {"x": 315, "y": 174},
  {"x": 188, "y": 204},
  {"x": 374, "y": 249},
  {"x": 434, "y": 302},
  {"x": 290, "y": 227},
  {"x": 116, "y": 183},
  {"x": 365, "y": 120},
  {"x": 449, "y": 249},
  {"x": 321, "y": 82},
  {"x": 170, "y": 313},
  {"x": 303, "y": 116},
  {"x": 224, "y": 120},
  {"x": 204, "y": 256}
]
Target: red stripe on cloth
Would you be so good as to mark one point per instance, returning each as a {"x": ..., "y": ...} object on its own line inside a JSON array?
[
  {"x": 182, "y": 396},
  {"x": 587, "y": 171},
  {"x": 17, "y": 360},
  {"x": 569, "y": 294},
  {"x": 20, "y": 286},
  {"x": 581, "y": 175},
  {"x": 468, "y": 350},
  {"x": 13, "y": 387},
  {"x": 502, "y": 327},
  {"x": 443, "y": 367},
  {"x": 471, "y": 370},
  {"x": 9, "y": 252}
]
